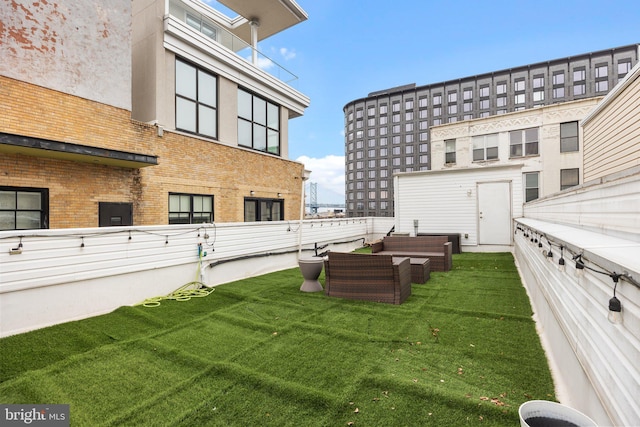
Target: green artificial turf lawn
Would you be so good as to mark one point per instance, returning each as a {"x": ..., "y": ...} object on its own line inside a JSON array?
[{"x": 462, "y": 350}]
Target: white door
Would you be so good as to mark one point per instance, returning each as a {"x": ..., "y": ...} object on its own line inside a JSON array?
[{"x": 494, "y": 213}]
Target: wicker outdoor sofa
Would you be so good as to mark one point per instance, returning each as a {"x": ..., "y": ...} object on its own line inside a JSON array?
[
  {"x": 436, "y": 248},
  {"x": 367, "y": 277}
]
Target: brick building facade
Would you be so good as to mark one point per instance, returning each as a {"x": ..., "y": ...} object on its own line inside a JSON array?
[{"x": 71, "y": 153}]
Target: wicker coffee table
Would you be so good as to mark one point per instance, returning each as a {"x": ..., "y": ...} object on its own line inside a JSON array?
[{"x": 420, "y": 270}]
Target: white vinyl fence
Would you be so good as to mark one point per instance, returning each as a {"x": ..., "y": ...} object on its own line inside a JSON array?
[{"x": 54, "y": 276}]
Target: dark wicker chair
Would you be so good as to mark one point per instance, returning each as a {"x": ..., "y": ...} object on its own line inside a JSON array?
[
  {"x": 367, "y": 277},
  {"x": 436, "y": 248}
]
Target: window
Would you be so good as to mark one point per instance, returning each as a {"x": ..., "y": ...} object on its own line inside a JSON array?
[
  {"x": 196, "y": 100},
  {"x": 371, "y": 111},
  {"x": 557, "y": 81},
  {"x": 519, "y": 85},
  {"x": 569, "y": 178},
  {"x": 624, "y": 66},
  {"x": 449, "y": 151},
  {"x": 579, "y": 85},
  {"x": 259, "y": 123},
  {"x": 601, "y": 74},
  {"x": 501, "y": 88},
  {"x": 485, "y": 147},
  {"x": 568, "y": 137},
  {"x": 602, "y": 86},
  {"x": 484, "y": 91},
  {"x": 538, "y": 82},
  {"x": 204, "y": 27},
  {"x": 24, "y": 208},
  {"x": 484, "y": 104},
  {"x": 531, "y": 186},
  {"x": 190, "y": 208},
  {"x": 383, "y": 108},
  {"x": 408, "y": 104},
  {"x": 452, "y": 109},
  {"x": 601, "y": 71},
  {"x": 501, "y": 101},
  {"x": 523, "y": 142},
  {"x": 467, "y": 94},
  {"x": 452, "y": 97},
  {"x": 395, "y": 107},
  {"x": 422, "y": 102},
  {"x": 519, "y": 99},
  {"x": 263, "y": 210},
  {"x": 558, "y": 92},
  {"x": 437, "y": 99}
]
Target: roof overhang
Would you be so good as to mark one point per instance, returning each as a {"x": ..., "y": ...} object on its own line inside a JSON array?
[
  {"x": 37, "y": 147},
  {"x": 272, "y": 16}
]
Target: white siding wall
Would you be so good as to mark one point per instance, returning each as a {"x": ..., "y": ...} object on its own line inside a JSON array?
[
  {"x": 612, "y": 132},
  {"x": 595, "y": 364},
  {"x": 54, "y": 279},
  {"x": 611, "y": 207},
  {"x": 446, "y": 201}
]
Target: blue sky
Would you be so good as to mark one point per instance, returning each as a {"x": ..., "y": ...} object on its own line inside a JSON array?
[{"x": 349, "y": 48}]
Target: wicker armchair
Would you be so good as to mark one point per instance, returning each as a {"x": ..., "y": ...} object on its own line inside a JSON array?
[{"x": 367, "y": 277}]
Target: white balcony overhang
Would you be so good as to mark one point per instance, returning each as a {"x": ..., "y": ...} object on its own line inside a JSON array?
[
  {"x": 185, "y": 42},
  {"x": 273, "y": 16}
]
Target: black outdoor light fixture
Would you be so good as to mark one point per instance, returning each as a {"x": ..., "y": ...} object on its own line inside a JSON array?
[{"x": 615, "y": 308}]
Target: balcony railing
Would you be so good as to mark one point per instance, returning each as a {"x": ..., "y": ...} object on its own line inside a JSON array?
[{"x": 208, "y": 27}]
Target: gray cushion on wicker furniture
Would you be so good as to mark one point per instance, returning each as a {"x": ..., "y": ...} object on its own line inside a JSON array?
[
  {"x": 436, "y": 248},
  {"x": 367, "y": 277}
]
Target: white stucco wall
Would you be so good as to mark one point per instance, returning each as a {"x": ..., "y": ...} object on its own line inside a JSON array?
[{"x": 79, "y": 47}]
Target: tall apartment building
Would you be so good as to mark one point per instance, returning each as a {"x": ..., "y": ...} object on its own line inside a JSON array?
[
  {"x": 389, "y": 131},
  {"x": 144, "y": 112}
]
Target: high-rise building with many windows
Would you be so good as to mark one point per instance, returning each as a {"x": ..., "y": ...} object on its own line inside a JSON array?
[{"x": 388, "y": 131}]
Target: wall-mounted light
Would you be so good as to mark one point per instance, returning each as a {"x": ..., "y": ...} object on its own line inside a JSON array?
[
  {"x": 561, "y": 260},
  {"x": 252, "y": 192},
  {"x": 615, "y": 308},
  {"x": 279, "y": 194},
  {"x": 579, "y": 265}
]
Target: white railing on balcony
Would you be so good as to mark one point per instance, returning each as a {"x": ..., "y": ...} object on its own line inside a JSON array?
[{"x": 207, "y": 26}]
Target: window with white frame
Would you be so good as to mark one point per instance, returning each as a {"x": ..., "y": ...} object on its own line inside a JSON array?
[
  {"x": 196, "y": 100},
  {"x": 485, "y": 147},
  {"x": 531, "y": 186},
  {"x": 450, "y": 151},
  {"x": 523, "y": 142}
]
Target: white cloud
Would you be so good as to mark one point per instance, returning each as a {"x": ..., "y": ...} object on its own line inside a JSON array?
[
  {"x": 328, "y": 173},
  {"x": 287, "y": 54}
]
